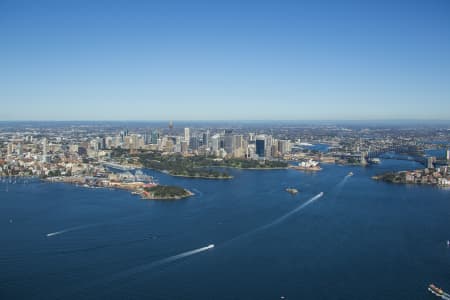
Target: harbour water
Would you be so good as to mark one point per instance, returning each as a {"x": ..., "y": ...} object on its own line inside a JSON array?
[{"x": 361, "y": 239}]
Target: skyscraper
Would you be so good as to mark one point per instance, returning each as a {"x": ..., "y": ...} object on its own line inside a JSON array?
[
  {"x": 260, "y": 145},
  {"x": 44, "y": 150},
  {"x": 228, "y": 142},
  {"x": 215, "y": 141},
  {"x": 187, "y": 135},
  {"x": 9, "y": 149},
  {"x": 206, "y": 138}
]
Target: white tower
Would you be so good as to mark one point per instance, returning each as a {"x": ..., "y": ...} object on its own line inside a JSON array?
[
  {"x": 44, "y": 150},
  {"x": 187, "y": 135}
]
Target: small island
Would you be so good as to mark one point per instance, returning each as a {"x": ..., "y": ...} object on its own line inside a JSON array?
[{"x": 165, "y": 192}]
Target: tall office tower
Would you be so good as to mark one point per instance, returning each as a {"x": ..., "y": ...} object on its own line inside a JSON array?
[
  {"x": 103, "y": 143},
  {"x": 228, "y": 142},
  {"x": 19, "y": 149},
  {"x": 184, "y": 147},
  {"x": 9, "y": 149},
  {"x": 194, "y": 143},
  {"x": 154, "y": 138},
  {"x": 206, "y": 138},
  {"x": 215, "y": 141},
  {"x": 448, "y": 155},
  {"x": 44, "y": 150},
  {"x": 187, "y": 135},
  {"x": 238, "y": 145},
  {"x": 260, "y": 145}
]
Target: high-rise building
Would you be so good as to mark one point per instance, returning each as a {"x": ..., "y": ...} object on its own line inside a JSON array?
[
  {"x": 284, "y": 146},
  {"x": 44, "y": 150},
  {"x": 187, "y": 135},
  {"x": 448, "y": 155},
  {"x": 19, "y": 149},
  {"x": 260, "y": 145},
  {"x": 215, "y": 142},
  {"x": 184, "y": 147},
  {"x": 268, "y": 145},
  {"x": 154, "y": 138},
  {"x": 430, "y": 162},
  {"x": 9, "y": 149},
  {"x": 228, "y": 142},
  {"x": 194, "y": 143},
  {"x": 205, "y": 139}
]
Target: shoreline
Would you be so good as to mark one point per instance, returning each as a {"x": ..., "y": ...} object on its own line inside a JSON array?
[
  {"x": 311, "y": 169},
  {"x": 132, "y": 189}
]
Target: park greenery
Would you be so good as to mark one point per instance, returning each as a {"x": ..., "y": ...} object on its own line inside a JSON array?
[{"x": 201, "y": 166}]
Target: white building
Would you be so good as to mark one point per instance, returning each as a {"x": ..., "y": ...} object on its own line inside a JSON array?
[{"x": 187, "y": 135}]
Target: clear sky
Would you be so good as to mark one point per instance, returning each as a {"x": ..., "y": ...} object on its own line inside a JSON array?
[{"x": 206, "y": 60}]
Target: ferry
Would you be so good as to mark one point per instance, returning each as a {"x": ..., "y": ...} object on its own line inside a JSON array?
[{"x": 350, "y": 174}]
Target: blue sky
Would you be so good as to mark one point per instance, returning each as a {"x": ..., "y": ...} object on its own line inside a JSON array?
[{"x": 206, "y": 60}]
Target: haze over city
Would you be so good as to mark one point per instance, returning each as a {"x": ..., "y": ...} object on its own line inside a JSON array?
[{"x": 199, "y": 60}]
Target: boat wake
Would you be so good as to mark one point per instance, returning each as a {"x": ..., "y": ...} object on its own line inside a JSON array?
[
  {"x": 287, "y": 215},
  {"x": 276, "y": 221},
  {"x": 160, "y": 262},
  {"x": 69, "y": 230}
]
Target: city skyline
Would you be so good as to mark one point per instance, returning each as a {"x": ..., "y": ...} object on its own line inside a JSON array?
[{"x": 234, "y": 61}]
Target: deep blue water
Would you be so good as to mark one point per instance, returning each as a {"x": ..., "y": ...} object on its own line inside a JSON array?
[{"x": 362, "y": 239}]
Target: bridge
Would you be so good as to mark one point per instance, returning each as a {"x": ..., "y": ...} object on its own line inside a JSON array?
[{"x": 401, "y": 152}]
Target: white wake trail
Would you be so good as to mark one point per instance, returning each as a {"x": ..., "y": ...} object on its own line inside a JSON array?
[
  {"x": 275, "y": 222},
  {"x": 160, "y": 262},
  {"x": 69, "y": 230},
  {"x": 287, "y": 215}
]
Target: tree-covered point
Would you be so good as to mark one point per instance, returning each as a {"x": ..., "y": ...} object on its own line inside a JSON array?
[
  {"x": 167, "y": 191},
  {"x": 392, "y": 177},
  {"x": 178, "y": 165},
  {"x": 250, "y": 163},
  {"x": 201, "y": 166}
]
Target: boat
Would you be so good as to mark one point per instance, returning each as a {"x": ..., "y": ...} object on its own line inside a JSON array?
[
  {"x": 350, "y": 174},
  {"x": 292, "y": 191},
  {"x": 435, "y": 290}
]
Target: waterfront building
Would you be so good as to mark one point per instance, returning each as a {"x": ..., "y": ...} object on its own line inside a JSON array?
[
  {"x": 430, "y": 162},
  {"x": 448, "y": 155}
]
